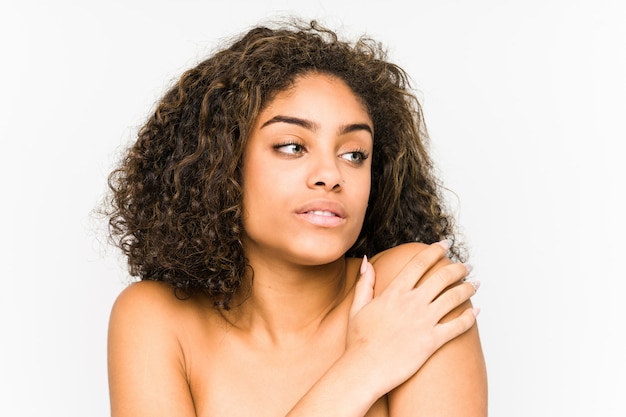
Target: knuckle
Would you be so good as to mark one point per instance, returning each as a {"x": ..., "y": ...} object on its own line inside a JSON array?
[
  {"x": 424, "y": 260},
  {"x": 444, "y": 278},
  {"x": 456, "y": 296},
  {"x": 450, "y": 274},
  {"x": 420, "y": 263}
]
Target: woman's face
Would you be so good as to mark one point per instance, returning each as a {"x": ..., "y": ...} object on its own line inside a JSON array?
[{"x": 306, "y": 173}]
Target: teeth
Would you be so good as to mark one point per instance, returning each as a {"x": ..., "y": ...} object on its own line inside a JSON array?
[{"x": 321, "y": 213}]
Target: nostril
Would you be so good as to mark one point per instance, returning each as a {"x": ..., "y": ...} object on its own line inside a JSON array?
[{"x": 320, "y": 183}]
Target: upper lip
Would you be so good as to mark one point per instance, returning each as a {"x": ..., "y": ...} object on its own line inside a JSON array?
[{"x": 323, "y": 205}]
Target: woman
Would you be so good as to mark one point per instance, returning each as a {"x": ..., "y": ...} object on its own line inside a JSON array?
[{"x": 248, "y": 207}]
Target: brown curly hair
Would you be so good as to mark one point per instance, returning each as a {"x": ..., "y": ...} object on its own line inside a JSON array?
[{"x": 175, "y": 198}]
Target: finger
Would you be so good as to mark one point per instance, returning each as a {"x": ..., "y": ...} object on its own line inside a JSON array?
[
  {"x": 457, "y": 326},
  {"x": 443, "y": 278},
  {"x": 412, "y": 272},
  {"x": 364, "y": 290},
  {"x": 453, "y": 298}
]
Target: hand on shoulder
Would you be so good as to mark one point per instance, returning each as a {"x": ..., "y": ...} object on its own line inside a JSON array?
[
  {"x": 390, "y": 262},
  {"x": 400, "y": 327},
  {"x": 452, "y": 378}
]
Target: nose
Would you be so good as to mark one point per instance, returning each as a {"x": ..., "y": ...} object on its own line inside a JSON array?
[{"x": 326, "y": 174}]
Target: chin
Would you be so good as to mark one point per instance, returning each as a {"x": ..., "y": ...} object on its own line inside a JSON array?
[
  {"x": 303, "y": 248},
  {"x": 320, "y": 253}
]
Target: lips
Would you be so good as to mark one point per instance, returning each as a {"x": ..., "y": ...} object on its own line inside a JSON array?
[
  {"x": 323, "y": 208},
  {"x": 323, "y": 213}
]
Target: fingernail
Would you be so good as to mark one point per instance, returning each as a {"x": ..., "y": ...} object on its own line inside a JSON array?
[
  {"x": 363, "y": 265},
  {"x": 446, "y": 244},
  {"x": 469, "y": 267},
  {"x": 476, "y": 311},
  {"x": 474, "y": 283}
]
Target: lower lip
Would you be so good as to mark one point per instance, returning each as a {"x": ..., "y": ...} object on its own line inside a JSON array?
[{"x": 322, "y": 221}]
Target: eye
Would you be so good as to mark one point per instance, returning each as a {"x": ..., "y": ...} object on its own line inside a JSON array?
[
  {"x": 356, "y": 157},
  {"x": 290, "y": 148}
]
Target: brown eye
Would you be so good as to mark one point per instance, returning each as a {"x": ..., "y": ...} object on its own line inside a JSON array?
[{"x": 290, "y": 148}]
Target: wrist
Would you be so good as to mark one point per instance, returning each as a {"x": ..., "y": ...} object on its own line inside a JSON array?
[
  {"x": 358, "y": 368},
  {"x": 347, "y": 389}
]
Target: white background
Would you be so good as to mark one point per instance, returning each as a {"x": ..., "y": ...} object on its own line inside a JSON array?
[{"x": 525, "y": 102}]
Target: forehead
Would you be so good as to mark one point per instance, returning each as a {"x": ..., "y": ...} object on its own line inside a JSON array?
[{"x": 312, "y": 93}]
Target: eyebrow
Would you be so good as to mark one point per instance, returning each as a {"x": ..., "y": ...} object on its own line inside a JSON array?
[{"x": 312, "y": 126}]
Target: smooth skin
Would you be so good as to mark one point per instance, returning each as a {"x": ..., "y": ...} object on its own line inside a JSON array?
[{"x": 318, "y": 333}]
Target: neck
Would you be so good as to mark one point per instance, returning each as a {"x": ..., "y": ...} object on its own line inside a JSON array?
[{"x": 288, "y": 303}]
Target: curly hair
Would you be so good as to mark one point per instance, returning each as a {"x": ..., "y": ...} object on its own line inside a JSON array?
[{"x": 175, "y": 205}]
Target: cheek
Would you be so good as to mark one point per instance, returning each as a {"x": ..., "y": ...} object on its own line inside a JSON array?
[
  {"x": 263, "y": 187},
  {"x": 364, "y": 185},
  {"x": 362, "y": 192}
]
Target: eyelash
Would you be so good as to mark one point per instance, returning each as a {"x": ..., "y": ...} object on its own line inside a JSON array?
[
  {"x": 284, "y": 145},
  {"x": 363, "y": 154}
]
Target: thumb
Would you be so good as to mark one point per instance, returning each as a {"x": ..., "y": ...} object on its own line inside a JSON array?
[{"x": 364, "y": 290}]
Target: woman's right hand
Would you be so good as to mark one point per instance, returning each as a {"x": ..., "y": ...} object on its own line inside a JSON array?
[{"x": 394, "y": 333}]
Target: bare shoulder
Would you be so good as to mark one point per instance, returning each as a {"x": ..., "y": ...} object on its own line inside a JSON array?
[
  {"x": 150, "y": 310},
  {"x": 144, "y": 313},
  {"x": 146, "y": 361},
  {"x": 146, "y": 297},
  {"x": 399, "y": 253}
]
